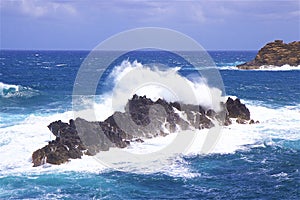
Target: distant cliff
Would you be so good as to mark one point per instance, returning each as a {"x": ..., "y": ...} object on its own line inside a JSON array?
[{"x": 275, "y": 53}]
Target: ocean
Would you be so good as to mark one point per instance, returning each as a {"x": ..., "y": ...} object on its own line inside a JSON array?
[{"x": 257, "y": 161}]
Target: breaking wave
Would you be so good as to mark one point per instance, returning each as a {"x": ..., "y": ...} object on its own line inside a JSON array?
[
  {"x": 25, "y": 137},
  {"x": 135, "y": 78},
  {"x": 10, "y": 90},
  {"x": 32, "y": 133}
]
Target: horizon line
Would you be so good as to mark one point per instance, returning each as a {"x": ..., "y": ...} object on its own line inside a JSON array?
[{"x": 116, "y": 50}]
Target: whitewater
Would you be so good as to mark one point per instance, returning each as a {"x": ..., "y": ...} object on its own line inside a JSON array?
[
  {"x": 259, "y": 157},
  {"x": 32, "y": 133}
]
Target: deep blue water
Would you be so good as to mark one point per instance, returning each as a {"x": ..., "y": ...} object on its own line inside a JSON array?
[
  {"x": 270, "y": 170},
  {"x": 249, "y": 175}
]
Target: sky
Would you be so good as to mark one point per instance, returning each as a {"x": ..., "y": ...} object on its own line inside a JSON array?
[{"x": 83, "y": 24}]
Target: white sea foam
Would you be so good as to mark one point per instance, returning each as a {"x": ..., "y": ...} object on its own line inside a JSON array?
[
  {"x": 230, "y": 67},
  {"x": 100, "y": 109},
  {"x": 4, "y": 88},
  {"x": 11, "y": 90},
  {"x": 18, "y": 141},
  {"x": 265, "y": 68},
  {"x": 278, "y": 68},
  {"x": 134, "y": 78},
  {"x": 61, "y": 65}
]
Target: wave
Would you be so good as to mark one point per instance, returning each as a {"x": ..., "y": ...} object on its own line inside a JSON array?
[
  {"x": 135, "y": 78},
  {"x": 278, "y": 68},
  {"x": 10, "y": 90},
  {"x": 18, "y": 141},
  {"x": 230, "y": 64},
  {"x": 229, "y": 67},
  {"x": 277, "y": 127},
  {"x": 131, "y": 78},
  {"x": 61, "y": 65},
  {"x": 265, "y": 68}
]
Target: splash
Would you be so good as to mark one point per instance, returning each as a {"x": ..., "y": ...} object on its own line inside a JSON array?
[
  {"x": 154, "y": 82},
  {"x": 23, "y": 138}
]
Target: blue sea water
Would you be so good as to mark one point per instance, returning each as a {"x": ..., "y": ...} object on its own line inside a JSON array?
[{"x": 259, "y": 161}]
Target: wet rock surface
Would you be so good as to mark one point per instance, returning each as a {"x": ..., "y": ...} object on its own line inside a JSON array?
[
  {"x": 237, "y": 110},
  {"x": 143, "y": 118}
]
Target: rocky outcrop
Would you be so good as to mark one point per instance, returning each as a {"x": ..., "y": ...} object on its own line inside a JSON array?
[
  {"x": 143, "y": 118},
  {"x": 275, "y": 53},
  {"x": 66, "y": 145},
  {"x": 237, "y": 110}
]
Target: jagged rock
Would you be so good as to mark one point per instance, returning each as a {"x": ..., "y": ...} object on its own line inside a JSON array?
[
  {"x": 66, "y": 145},
  {"x": 236, "y": 109},
  {"x": 143, "y": 118},
  {"x": 275, "y": 53},
  {"x": 251, "y": 121}
]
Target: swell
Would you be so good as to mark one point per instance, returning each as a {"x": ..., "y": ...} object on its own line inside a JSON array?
[{"x": 16, "y": 91}]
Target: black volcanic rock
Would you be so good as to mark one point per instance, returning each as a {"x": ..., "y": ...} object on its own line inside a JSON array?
[
  {"x": 237, "y": 110},
  {"x": 275, "y": 53},
  {"x": 66, "y": 145},
  {"x": 143, "y": 118}
]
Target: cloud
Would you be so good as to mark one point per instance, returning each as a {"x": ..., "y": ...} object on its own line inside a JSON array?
[
  {"x": 201, "y": 11},
  {"x": 218, "y": 21},
  {"x": 269, "y": 10},
  {"x": 153, "y": 11},
  {"x": 191, "y": 12},
  {"x": 38, "y": 8}
]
